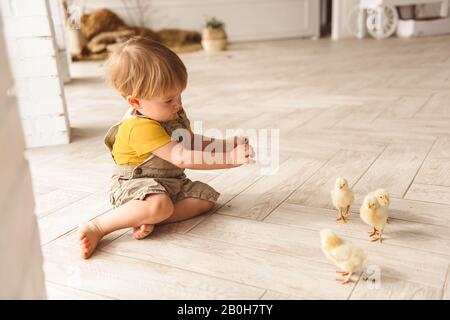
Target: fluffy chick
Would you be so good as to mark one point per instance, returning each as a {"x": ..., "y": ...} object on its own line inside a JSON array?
[
  {"x": 346, "y": 256},
  {"x": 373, "y": 214},
  {"x": 383, "y": 199},
  {"x": 342, "y": 198}
]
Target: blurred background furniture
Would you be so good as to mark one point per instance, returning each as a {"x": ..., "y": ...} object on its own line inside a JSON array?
[{"x": 381, "y": 19}]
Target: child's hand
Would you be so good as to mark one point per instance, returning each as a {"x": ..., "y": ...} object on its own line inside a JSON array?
[
  {"x": 242, "y": 154},
  {"x": 240, "y": 140},
  {"x": 237, "y": 140},
  {"x": 243, "y": 140}
]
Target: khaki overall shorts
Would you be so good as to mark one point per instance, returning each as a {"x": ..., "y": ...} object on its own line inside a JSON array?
[{"x": 154, "y": 175}]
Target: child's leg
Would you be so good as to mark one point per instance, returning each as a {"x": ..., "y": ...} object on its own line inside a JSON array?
[
  {"x": 188, "y": 208},
  {"x": 135, "y": 213},
  {"x": 184, "y": 209}
]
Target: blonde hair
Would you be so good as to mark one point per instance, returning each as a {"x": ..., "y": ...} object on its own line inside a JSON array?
[{"x": 143, "y": 68}]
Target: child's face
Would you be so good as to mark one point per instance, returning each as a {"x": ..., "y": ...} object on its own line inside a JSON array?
[{"x": 158, "y": 108}]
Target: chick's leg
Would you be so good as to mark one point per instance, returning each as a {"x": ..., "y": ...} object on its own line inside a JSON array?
[
  {"x": 374, "y": 232},
  {"x": 345, "y": 276},
  {"x": 346, "y": 279},
  {"x": 380, "y": 236},
  {"x": 341, "y": 216},
  {"x": 347, "y": 210},
  {"x": 377, "y": 237}
]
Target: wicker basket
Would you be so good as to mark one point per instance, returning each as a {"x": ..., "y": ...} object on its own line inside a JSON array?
[{"x": 214, "y": 40}]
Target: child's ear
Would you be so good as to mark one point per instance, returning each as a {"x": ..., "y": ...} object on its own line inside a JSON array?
[{"x": 135, "y": 103}]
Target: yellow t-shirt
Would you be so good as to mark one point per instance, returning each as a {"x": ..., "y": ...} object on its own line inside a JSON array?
[{"x": 136, "y": 139}]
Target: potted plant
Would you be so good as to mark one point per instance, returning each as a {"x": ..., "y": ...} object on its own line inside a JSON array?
[{"x": 214, "y": 37}]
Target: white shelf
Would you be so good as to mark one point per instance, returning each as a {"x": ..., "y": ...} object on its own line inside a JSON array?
[{"x": 418, "y": 28}]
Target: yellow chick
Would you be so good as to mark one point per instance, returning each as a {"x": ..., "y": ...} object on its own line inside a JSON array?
[
  {"x": 383, "y": 199},
  {"x": 345, "y": 255},
  {"x": 373, "y": 214},
  {"x": 342, "y": 198}
]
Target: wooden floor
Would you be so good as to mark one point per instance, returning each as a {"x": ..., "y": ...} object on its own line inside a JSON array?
[{"x": 375, "y": 112}]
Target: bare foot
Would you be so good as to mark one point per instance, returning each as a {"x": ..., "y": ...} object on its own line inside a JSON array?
[
  {"x": 142, "y": 231},
  {"x": 89, "y": 236}
]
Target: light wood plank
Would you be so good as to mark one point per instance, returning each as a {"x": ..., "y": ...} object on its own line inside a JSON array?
[
  {"x": 432, "y": 116},
  {"x": 441, "y": 149},
  {"x": 59, "y": 292},
  {"x": 238, "y": 263},
  {"x": 271, "y": 237},
  {"x": 335, "y": 140},
  {"x": 56, "y": 199},
  {"x": 430, "y": 127},
  {"x": 234, "y": 181},
  {"x": 430, "y": 238},
  {"x": 429, "y": 193},
  {"x": 434, "y": 171},
  {"x": 446, "y": 294},
  {"x": 361, "y": 116},
  {"x": 436, "y": 168},
  {"x": 393, "y": 170},
  {"x": 365, "y": 139},
  {"x": 398, "y": 256},
  {"x": 330, "y": 116},
  {"x": 267, "y": 193},
  {"x": 285, "y": 240},
  {"x": 295, "y": 119},
  {"x": 412, "y": 210},
  {"x": 64, "y": 220},
  {"x": 42, "y": 189},
  {"x": 316, "y": 191},
  {"x": 279, "y": 238},
  {"x": 273, "y": 295},
  {"x": 438, "y": 104},
  {"x": 394, "y": 289},
  {"x": 71, "y": 238},
  {"x": 126, "y": 278},
  {"x": 405, "y": 107},
  {"x": 292, "y": 146},
  {"x": 83, "y": 177}
]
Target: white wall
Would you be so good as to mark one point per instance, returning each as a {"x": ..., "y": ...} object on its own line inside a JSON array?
[
  {"x": 21, "y": 275},
  {"x": 62, "y": 56},
  {"x": 244, "y": 19},
  {"x": 31, "y": 45}
]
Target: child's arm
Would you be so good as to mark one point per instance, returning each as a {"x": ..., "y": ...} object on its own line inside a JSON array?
[
  {"x": 176, "y": 154},
  {"x": 199, "y": 141}
]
